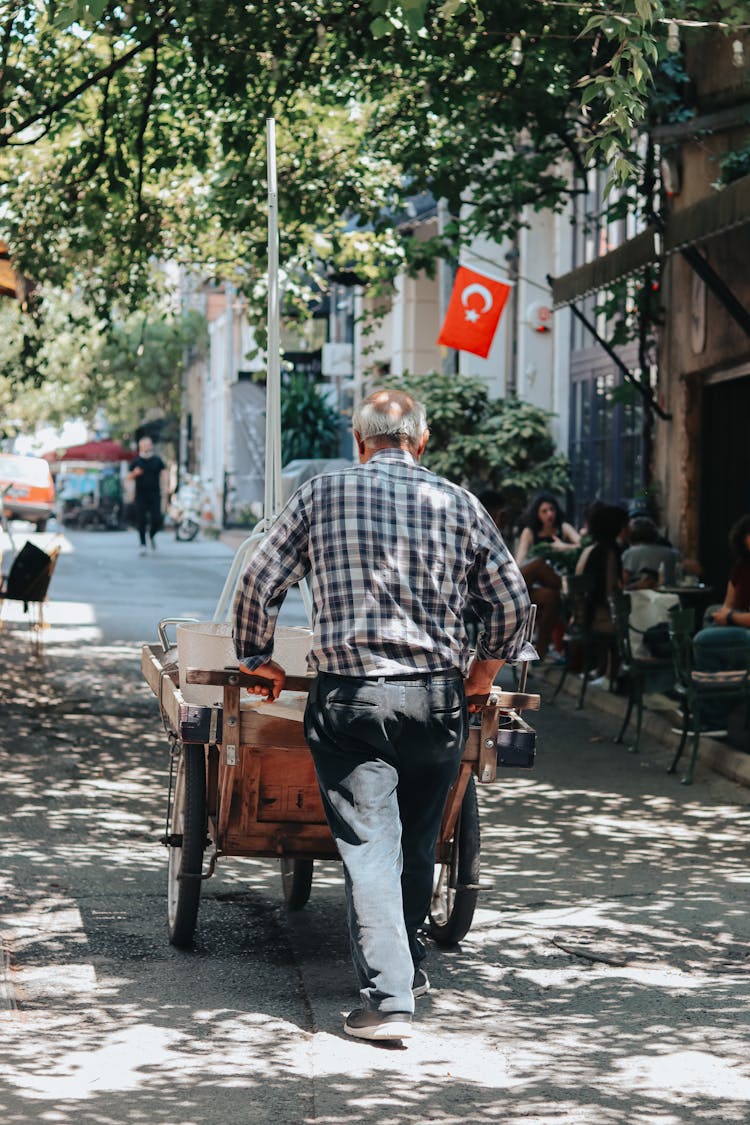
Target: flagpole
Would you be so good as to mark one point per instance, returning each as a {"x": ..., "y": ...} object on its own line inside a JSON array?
[{"x": 273, "y": 369}]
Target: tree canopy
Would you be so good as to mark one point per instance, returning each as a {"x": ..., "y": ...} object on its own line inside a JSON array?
[
  {"x": 134, "y": 133},
  {"x": 136, "y": 130}
]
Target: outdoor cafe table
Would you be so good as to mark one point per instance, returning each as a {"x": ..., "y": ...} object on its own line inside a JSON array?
[{"x": 692, "y": 597}]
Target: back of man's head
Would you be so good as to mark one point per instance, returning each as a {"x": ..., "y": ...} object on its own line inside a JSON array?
[
  {"x": 390, "y": 417},
  {"x": 643, "y": 530}
]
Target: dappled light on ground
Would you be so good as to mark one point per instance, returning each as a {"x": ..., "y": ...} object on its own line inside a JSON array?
[{"x": 604, "y": 981}]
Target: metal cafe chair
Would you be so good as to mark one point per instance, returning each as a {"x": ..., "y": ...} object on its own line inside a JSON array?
[
  {"x": 579, "y": 636},
  {"x": 632, "y": 670},
  {"x": 695, "y": 688}
]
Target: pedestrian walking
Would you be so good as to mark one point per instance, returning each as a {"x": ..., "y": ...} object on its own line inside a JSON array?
[
  {"x": 146, "y": 470},
  {"x": 394, "y": 554}
]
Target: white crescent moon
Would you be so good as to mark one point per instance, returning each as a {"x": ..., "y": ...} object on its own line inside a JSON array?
[{"x": 483, "y": 292}]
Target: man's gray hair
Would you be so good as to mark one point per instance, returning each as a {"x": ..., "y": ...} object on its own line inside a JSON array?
[{"x": 390, "y": 414}]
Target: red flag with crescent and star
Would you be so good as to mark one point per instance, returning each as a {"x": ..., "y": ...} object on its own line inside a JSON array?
[{"x": 473, "y": 312}]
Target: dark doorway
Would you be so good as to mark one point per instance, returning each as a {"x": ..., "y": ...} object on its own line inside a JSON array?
[{"x": 725, "y": 474}]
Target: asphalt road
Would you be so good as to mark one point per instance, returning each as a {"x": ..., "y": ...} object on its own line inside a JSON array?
[
  {"x": 604, "y": 980},
  {"x": 104, "y": 591}
]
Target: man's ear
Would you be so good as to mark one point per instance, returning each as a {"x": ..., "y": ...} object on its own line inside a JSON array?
[
  {"x": 359, "y": 443},
  {"x": 423, "y": 443}
]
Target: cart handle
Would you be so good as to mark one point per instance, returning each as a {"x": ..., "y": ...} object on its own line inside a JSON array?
[
  {"x": 233, "y": 677},
  {"x": 507, "y": 700},
  {"x": 162, "y": 628}
]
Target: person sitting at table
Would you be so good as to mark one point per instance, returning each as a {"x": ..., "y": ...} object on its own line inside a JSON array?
[
  {"x": 542, "y": 582},
  {"x": 543, "y": 522},
  {"x": 646, "y": 553},
  {"x": 601, "y": 559},
  {"x": 725, "y": 645}
]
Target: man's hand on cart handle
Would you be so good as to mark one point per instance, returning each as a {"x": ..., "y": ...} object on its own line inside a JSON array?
[
  {"x": 480, "y": 679},
  {"x": 275, "y": 678}
]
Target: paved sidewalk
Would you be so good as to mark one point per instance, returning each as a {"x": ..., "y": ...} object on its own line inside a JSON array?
[
  {"x": 604, "y": 979},
  {"x": 657, "y": 725}
]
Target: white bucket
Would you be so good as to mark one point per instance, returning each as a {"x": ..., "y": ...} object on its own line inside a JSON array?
[{"x": 210, "y": 645}]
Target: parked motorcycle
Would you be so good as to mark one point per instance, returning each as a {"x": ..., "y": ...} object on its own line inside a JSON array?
[{"x": 190, "y": 509}]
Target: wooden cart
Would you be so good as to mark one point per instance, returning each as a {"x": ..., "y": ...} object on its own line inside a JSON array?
[{"x": 242, "y": 783}]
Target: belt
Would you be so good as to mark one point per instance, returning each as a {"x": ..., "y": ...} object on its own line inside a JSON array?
[
  {"x": 417, "y": 677},
  {"x": 407, "y": 678}
]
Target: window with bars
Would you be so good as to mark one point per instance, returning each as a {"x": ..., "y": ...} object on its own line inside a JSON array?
[{"x": 606, "y": 449}]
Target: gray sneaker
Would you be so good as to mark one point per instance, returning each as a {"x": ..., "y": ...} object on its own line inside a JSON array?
[
  {"x": 365, "y": 1024},
  {"x": 421, "y": 984}
]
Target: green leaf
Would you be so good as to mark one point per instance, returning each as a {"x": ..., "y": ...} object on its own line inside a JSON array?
[{"x": 380, "y": 27}]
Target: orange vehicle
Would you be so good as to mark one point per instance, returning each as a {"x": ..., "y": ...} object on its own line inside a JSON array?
[{"x": 27, "y": 489}]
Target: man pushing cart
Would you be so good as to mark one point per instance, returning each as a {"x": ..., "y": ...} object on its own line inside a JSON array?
[{"x": 393, "y": 555}]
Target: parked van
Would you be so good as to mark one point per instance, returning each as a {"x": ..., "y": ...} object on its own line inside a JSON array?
[{"x": 27, "y": 489}]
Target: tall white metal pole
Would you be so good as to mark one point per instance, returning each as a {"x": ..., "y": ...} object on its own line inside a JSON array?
[{"x": 273, "y": 376}]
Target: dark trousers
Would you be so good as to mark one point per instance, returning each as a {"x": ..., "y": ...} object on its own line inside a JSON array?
[
  {"x": 386, "y": 752},
  {"x": 147, "y": 516},
  {"x": 720, "y": 648}
]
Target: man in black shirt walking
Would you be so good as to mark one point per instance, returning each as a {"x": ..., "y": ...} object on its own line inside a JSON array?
[{"x": 146, "y": 471}]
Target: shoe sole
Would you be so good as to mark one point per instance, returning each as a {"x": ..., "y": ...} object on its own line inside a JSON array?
[{"x": 380, "y": 1031}]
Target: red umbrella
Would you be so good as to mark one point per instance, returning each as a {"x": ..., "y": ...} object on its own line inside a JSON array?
[{"x": 94, "y": 451}]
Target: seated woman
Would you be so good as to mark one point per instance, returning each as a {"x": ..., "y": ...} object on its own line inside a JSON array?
[
  {"x": 542, "y": 581},
  {"x": 602, "y": 560},
  {"x": 726, "y": 644},
  {"x": 543, "y": 522}
]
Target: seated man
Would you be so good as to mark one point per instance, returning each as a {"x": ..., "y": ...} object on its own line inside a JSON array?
[{"x": 645, "y": 554}]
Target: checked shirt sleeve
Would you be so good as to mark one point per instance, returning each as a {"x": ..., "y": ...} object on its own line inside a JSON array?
[
  {"x": 500, "y": 599},
  {"x": 280, "y": 562}
]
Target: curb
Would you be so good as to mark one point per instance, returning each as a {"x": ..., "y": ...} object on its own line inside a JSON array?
[{"x": 722, "y": 759}]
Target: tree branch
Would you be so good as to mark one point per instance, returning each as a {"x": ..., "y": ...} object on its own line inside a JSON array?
[
  {"x": 140, "y": 145},
  {"x": 107, "y": 72}
]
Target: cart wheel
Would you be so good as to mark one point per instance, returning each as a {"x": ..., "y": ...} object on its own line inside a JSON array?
[
  {"x": 455, "y": 891},
  {"x": 296, "y": 880},
  {"x": 189, "y": 822}
]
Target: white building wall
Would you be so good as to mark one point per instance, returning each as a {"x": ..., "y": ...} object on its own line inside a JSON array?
[
  {"x": 213, "y": 421},
  {"x": 562, "y": 333},
  {"x": 535, "y": 348},
  {"x": 415, "y": 324}
]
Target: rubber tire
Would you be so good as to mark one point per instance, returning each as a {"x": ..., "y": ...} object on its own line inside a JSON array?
[
  {"x": 452, "y": 911},
  {"x": 296, "y": 881},
  {"x": 188, "y": 819},
  {"x": 186, "y": 530}
]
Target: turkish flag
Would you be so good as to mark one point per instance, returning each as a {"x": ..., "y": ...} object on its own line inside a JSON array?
[{"x": 473, "y": 312}]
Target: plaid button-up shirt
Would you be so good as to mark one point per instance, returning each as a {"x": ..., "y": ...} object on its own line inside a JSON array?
[{"x": 394, "y": 555}]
